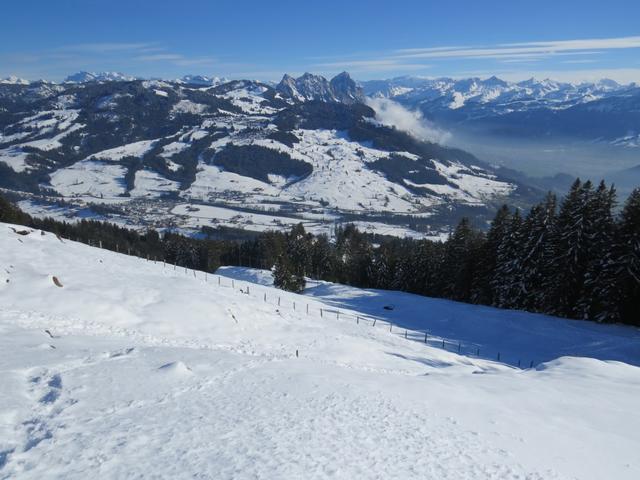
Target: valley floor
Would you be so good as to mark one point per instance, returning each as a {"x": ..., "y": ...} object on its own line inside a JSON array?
[{"x": 133, "y": 369}]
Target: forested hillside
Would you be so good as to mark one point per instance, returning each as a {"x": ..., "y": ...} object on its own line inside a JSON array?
[{"x": 579, "y": 259}]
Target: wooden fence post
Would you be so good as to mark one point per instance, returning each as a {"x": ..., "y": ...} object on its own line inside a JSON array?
[
  {"x": 405, "y": 333},
  {"x": 425, "y": 337},
  {"x": 443, "y": 343}
]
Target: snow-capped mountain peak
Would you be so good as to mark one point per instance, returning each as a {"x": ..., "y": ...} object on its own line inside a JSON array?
[
  {"x": 83, "y": 76},
  {"x": 13, "y": 80},
  {"x": 202, "y": 80}
]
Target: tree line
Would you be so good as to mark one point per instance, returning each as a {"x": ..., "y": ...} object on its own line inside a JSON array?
[{"x": 578, "y": 258}]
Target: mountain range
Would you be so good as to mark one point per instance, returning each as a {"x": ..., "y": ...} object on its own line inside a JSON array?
[
  {"x": 249, "y": 154},
  {"x": 539, "y": 126}
]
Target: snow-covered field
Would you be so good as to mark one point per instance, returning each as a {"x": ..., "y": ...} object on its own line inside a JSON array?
[{"x": 151, "y": 372}]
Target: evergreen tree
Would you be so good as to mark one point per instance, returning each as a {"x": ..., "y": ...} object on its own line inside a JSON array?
[
  {"x": 460, "y": 261},
  {"x": 538, "y": 253},
  {"x": 299, "y": 250},
  {"x": 573, "y": 237},
  {"x": 483, "y": 291},
  {"x": 506, "y": 281},
  {"x": 285, "y": 278},
  {"x": 629, "y": 275},
  {"x": 600, "y": 298}
]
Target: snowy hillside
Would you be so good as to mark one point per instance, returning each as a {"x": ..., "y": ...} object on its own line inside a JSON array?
[
  {"x": 305, "y": 146},
  {"x": 114, "y": 366}
]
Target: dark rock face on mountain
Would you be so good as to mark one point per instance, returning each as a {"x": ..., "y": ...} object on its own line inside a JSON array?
[{"x": 341, "y": 88}]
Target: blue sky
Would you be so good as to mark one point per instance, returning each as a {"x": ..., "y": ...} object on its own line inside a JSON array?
[{"x": 566, "y": 40}]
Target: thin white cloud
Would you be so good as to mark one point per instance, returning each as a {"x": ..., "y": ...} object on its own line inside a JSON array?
[
  {"x": 511, "y": 50},
  {"x": 108, "y": 47},
  {"x": 159, "y": 57},
  {"x": 371, "y": 65}
]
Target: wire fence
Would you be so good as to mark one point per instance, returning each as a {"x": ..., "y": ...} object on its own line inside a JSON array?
[{"x": 312, "y": 309}]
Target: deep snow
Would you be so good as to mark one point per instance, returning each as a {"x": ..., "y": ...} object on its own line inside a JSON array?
[{"x": 151, "y": 372}]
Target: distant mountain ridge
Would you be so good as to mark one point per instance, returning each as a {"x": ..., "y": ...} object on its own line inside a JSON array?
[
  {"x": 82, "y": 77},
  {"x": 531, "y": 108}
]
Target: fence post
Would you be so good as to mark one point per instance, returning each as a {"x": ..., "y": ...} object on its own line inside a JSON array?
[
  {"x": 498, "y": 356},
  {"x": 194, "y": 274},
  {"x": 374, "y": 321},
  {"x": 307, "y": 309},
  {"x": 294, "y": 306},
  {"x": 337, "y": 315},
  {"x": 218, "y": 280},
  {"x": 117, "y": 250},
  {"x": 425, "y": 337},
  {"x": 518, "y": 363},
  {"x": 390, "y": 326},
  {"x": 248, "y": 290},
  {"x": 443, "y": 343},
  {"x": 405, "y": 333},
  {"x": 531, "y": 365},
  {"x": 459, "y": 347},
  {"x": 320, "y": 313},
  {"x": 205, "y": 277},
  {"x": 278, "y": 301},
  {"x": 357, "y": 320},
  {"x": 265, "y": 297}
]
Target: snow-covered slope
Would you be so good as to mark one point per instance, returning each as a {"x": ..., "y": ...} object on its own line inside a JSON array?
[
  {"x": 119, "y": 367},
  {"x": 311, "y": 147}
]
